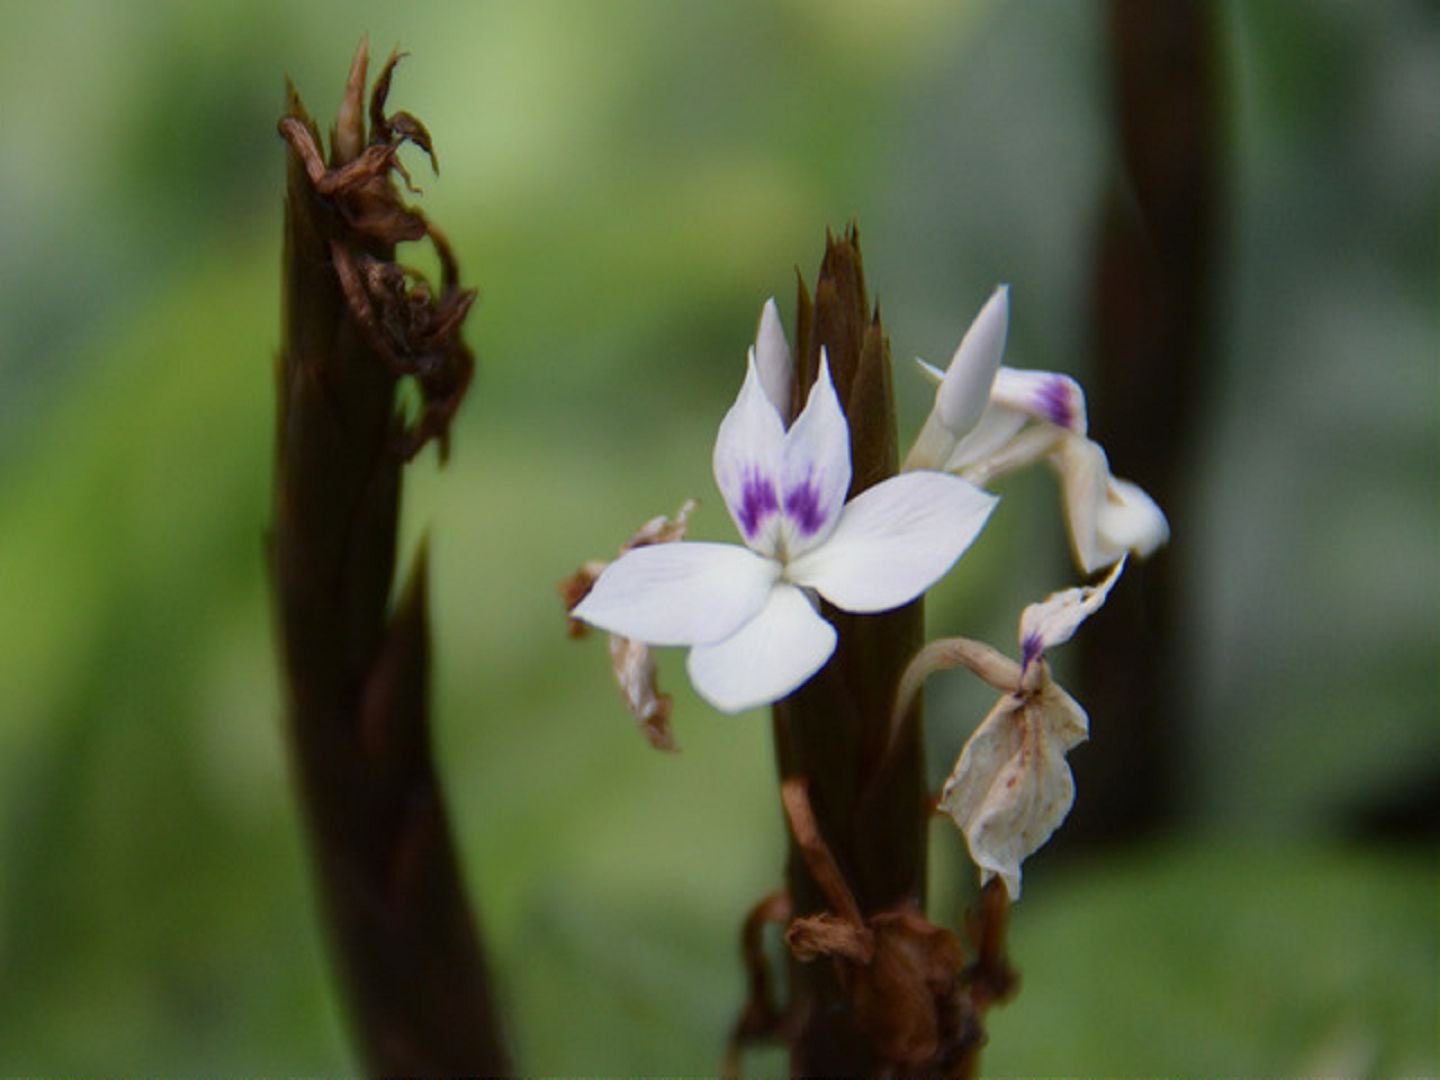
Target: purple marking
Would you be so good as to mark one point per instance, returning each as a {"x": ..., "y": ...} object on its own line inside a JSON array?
[
  {"x": 1057, "y": 403},
  {"x": 757, "y": 502},
  {"x": 1031, "y": 650},
  {"x": 802, "y": 505}
]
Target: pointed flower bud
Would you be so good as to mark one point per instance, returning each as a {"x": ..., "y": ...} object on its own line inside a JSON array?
[
  {"x": 964, "y": 388},
  {"x": 965, "y": 391}
]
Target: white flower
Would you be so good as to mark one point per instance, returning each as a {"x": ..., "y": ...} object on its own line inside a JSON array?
[
  {"x": 749, "y": 613},
  {"x": 990, "y": 420},
  {"x": 1011, "y": 787}
]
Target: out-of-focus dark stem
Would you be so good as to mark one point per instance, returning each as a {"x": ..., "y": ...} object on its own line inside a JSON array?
[
  {"x": 832, "y": 732},
  {"x": 1151, "y": 378},
  {"x": 407, "y": 951}
]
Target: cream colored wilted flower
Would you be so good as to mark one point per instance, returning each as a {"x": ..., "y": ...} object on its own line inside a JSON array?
[{"x": 1011, "y": 787}]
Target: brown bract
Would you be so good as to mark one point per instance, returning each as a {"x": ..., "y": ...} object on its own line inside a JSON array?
[
  {"x": 906, "y": 980},
  {"x": 412, "y": 326}
]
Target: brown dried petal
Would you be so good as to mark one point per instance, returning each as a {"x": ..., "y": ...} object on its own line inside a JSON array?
[
  {"x": 634, "y": 667},
  {"x": 574, "y": 589},
  {"x": 632, "y": 661},
  {"x": 1011, "y": 787},
  {"x": 661, "y": 529}
]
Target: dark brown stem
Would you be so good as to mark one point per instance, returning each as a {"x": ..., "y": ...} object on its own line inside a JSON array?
[{"x": 410, "y": 964}]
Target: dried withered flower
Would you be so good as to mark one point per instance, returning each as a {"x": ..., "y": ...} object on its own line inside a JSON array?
[{"x": 631, "y": 660}]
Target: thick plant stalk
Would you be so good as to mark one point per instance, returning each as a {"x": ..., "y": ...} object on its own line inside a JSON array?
[
  {"x": 405, "y": 944},
  {"x": 832, "y": 733},
  {"x": 875, "y": 989}
]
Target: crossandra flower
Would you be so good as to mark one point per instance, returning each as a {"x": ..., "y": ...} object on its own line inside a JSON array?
[
  {"x": 989, "y": 420},
  {"x": 750, "y": 613},
  {"x": 1011, "y": 787}
]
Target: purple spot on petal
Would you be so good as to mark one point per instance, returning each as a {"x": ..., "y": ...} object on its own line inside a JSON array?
[
  {"x": 1030, "y": 650},
  {"x": 757, "y": 502},
  {"x": 1057, "y": 403},
  {"x": 802, "y": 505}
]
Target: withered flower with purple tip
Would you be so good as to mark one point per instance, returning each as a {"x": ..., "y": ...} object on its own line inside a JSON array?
[{"x": 1011, "y": 787}]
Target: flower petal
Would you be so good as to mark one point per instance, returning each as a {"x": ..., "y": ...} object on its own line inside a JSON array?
[
  {"x": 1045, "y": 395},
  {"x": 1062, "y": 718},
  {"x": 1084, "y": 482},
  {"x": 1130, "y": 520},
  {"x": 679, "y": 594},
  {"x": 1054, "y": 620},
  {"x": 965, "y": 391},
  {"x": 997, "y": 426},
  {"x": 981, "y": 797},
  {"x": 936, "y": 442},
  {"x": 894, "y": 540},
  {"x": 747, "y": 461},
  {"x": 770, "y": 656},
  {"x": 634, "y": 667},
  {"x": 816, "y": 470},
  {"x": 772, "y": 359},
  {"x": 995, "y": 446},
  {"x": 1012, "y": 787}
]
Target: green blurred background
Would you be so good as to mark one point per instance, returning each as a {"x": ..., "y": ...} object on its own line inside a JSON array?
[{"x": 626, "y": 183}]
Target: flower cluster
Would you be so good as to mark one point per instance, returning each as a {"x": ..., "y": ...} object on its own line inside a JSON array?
[
  {"x": 750, "y": 613},
  {"x": 989, "y": 420}
]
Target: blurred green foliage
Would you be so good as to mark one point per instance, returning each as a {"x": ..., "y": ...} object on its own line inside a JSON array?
[{"x": 626, "y": 183}]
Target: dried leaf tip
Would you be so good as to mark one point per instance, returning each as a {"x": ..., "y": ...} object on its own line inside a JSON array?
[
  {"x": 347, "y": 139},
  {"x": 351, "y": 211}
]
